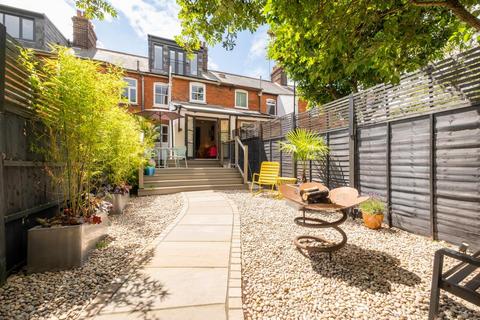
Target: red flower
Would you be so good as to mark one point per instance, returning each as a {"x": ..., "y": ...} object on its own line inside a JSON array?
[{"x": 96, "y": 220}]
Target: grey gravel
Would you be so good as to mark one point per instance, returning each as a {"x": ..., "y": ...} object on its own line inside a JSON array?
[
  {"x": 62, "y": 295},
  {"x": 382, "y": 274}
]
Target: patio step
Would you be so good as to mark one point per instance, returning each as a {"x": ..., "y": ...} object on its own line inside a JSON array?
[
  {"x": 170, "y": 190},
  {"x": 172, "y": 180},
  {"x": 194, "y": 182},
  {"x": 197, "y": 163},
  {"x": 190, "y": 176},
  {"x": 162, "y": 172}
]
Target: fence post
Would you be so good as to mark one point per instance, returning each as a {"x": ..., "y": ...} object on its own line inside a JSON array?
[
  {"x": 352, "y": 128},
  {"x": 388, "y": 195},
  {"x": 3, "y": 259},
  {"x": 294, "y": 162},
  {"x": 432, "y": 147},
  {"x": 327, "y": 137}
]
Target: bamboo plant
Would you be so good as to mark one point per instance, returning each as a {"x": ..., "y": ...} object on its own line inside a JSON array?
[
  {"x": 304, "y": 145},
  {"x": 84, "y": 131}
]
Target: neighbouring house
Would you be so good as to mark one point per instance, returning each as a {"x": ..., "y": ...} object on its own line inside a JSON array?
[
  {"x": 31, "y": 29},
  {"x": 211, "y": 103}
]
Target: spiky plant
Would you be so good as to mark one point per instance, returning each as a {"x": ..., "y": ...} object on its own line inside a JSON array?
[{"x": 304, "y": 145}]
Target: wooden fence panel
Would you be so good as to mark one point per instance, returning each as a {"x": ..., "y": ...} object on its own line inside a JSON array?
[
  {"x": 338, "y": 159},
  {"x": 372, "y": 160},
  {"x": 457, "y": 205},
  {"x": 410, "y": 168}
]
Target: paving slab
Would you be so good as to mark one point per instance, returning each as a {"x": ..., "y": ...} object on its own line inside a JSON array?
[
  {"x": 161, "y": 288},
  {"x": 199, "y": 233},
  {"x": 191, "y": 254},
  {"x": 214, "y": 312},
  {"x": 217, "y": 209},
  {"x": 207, "y": 219}
]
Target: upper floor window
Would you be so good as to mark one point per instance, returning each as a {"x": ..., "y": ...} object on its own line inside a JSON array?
[
  {"x": 241, "y": 99},
  {"x": 18, "y": 27},
  {"x": 272, "y": 107},
  {"x": 158, "y": 57},
  {"x": 197, "y": 92},
  {"x": 130, "y": 91},
  {"x": 194, "y": 65},
  {"x": 177, "y": 61},
  {"x": 160, "y": 93}
]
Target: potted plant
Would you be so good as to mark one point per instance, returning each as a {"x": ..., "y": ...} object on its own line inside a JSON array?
[
  {"x": 372, "y": 213},
  {"x": 119, "y": 196},
  {"x": 150, "y": 168},
  {"x": 86, "y": 138},
  {"x": 65, "y": 240},
  {"x": 305, "y": 145}
]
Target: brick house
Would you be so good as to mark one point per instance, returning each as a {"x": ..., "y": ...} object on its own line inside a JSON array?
[{"x": 211, "y": 103}]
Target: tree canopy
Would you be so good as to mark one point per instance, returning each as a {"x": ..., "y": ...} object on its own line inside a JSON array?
[{"x": 332, "y": 48}]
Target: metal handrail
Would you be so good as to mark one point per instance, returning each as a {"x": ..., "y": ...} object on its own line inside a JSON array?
[{"x": 244, "y": 171}]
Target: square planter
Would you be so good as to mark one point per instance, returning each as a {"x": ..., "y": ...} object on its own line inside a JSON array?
[
  {"x": 63, "y": 247},
  {"x": 119, "y": 202}
]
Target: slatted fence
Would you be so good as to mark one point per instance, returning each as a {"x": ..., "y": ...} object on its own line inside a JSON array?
[
  {"x": 416, "y": 145},
  {"x": 26, "y": 191}
]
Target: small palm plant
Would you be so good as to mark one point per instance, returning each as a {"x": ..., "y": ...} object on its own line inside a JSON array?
[{"x": 305, "y": 145}]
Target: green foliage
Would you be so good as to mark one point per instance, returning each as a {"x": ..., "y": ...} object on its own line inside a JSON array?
[
  {"x": 88, "y": 134},
  {"x": 333, "y": 48},
  {"x": 372, "y": 206},
  {"x": 96, "y": 9},
  {"x": 305, "y": 145}
]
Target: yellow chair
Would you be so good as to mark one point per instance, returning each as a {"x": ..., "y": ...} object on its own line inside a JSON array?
[{"x": 268, "y": 176}]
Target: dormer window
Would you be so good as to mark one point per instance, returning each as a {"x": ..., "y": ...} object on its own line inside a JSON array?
[
  {"x": 194, "y": 65},
  {"x": 158, "y": 57},
  {"x": 197, "y": 92},
  {"x": 18, "y": 27},
  {"x": 241, "y": 99},
  {"x": 177, "y": 61}
]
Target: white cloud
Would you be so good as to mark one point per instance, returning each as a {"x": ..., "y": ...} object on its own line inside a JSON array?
[
  {"x": 258, "y": 48},
  {"x": 156, "y": 17},
  {"x": 60, "y": 12},
  {"x": 212, "y": 65},
  {"x": 258, "y": 71}
]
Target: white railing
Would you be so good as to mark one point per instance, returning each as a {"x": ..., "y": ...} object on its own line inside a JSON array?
[{"x": 244, "y": 170}]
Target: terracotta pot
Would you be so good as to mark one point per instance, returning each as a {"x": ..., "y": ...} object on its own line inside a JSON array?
[{"x": 372, "y": 221}]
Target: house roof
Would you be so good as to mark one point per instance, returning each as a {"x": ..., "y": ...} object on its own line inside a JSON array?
[
  {"x": 244, "y": 81},
  {"x": 210, "y": 108},
  {"x": 122, "y": 59},
  {"x": 140, "y": 63}
]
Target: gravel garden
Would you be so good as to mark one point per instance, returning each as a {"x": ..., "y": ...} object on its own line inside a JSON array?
[
  {"x": 64, "y": 294},
  {"x": 379, "y": 274}
]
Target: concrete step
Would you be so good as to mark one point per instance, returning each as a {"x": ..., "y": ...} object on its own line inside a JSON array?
[
  {"x": 192, "y": 176},
  {"x": 193, "y": 182},
  {"x": 170, "y": 190}
]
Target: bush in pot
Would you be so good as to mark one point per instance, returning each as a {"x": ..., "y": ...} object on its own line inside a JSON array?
[
  {"x": 305, "y": 145},
  {"x": 372, "y": 213}
]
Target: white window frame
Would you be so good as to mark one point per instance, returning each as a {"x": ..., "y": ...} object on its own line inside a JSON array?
[
  {"x": 128, "y": 90},
  {"x": 198, "y": 84},
  {"x": 274, "y": 102},
  {"x": 163, "y": 84},
  {"x": 246, "y": 98},
  {"x": 161, "y": 134}
]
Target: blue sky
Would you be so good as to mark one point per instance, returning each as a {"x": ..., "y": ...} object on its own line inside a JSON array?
[{"x": 128, "y": 32}]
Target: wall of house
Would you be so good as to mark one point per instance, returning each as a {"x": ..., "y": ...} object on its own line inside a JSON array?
[
  {"x": 148, "y": 81},
  {"x": 220, "y": 95}
]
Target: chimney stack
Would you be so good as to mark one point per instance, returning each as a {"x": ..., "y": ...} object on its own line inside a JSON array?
[
  {"x": 83, "y": 33},
  {"x": 278, "y": 76}
]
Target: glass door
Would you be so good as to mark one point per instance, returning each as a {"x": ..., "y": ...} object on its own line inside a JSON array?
[
  {"x": 224, "y": 134},
  {"x": 190, "y": 136}
]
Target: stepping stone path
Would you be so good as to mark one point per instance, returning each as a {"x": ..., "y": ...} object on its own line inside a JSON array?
[{"x": 192, "y": 272}]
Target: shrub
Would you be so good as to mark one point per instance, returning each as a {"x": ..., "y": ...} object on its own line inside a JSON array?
[{"x": 372, "y": 206}]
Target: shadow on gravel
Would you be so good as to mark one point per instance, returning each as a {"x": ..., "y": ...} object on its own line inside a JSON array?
[
  {"x": 369, "y": 270},
  {"x": 139, "y": 294}
]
